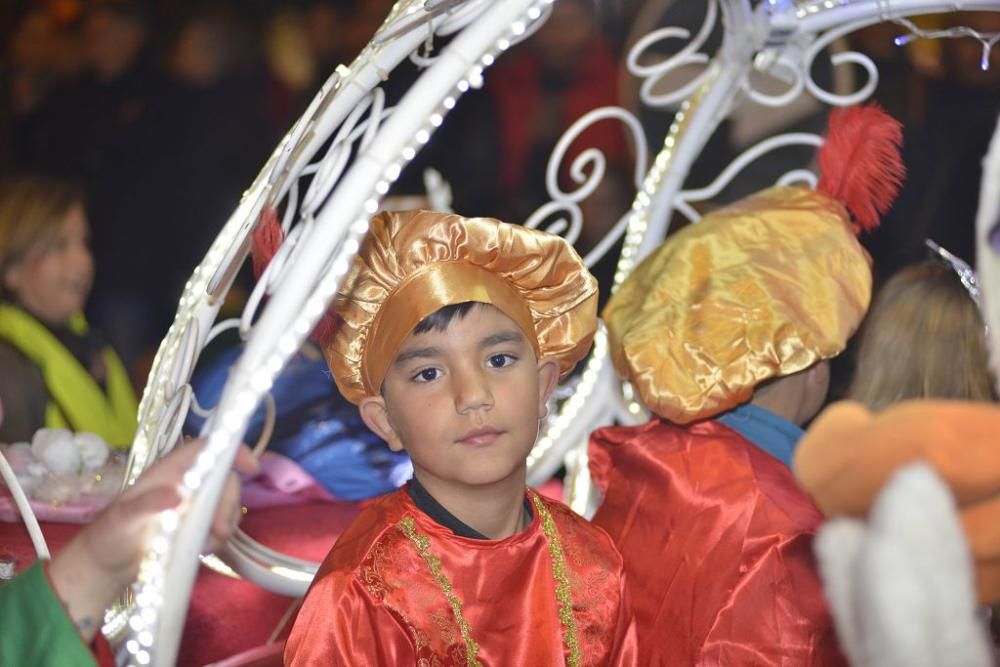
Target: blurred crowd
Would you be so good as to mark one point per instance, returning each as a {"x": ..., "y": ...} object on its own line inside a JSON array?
[{"x": 164, "y": 111}]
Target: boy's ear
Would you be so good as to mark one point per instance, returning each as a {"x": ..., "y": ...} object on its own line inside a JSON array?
[
  {"x": 548, "y": 378},
  {"x": 376, "y": 417}
]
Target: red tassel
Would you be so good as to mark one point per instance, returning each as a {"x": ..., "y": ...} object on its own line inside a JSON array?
[
  {"x": 860, "y": 163},
  {"x": 325, "y": 328},
  {"x": 265, "y": 241}
]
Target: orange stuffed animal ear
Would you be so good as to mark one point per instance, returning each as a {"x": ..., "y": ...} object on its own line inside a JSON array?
[{"x": 849, "y": 454}]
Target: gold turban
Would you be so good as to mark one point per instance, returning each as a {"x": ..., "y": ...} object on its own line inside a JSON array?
[
  {"x": 762, "y": 288},
  {"x": 413, "y": 263}
]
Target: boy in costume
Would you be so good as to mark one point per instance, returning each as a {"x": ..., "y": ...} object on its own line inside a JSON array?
[
  {"x": 724, "y": 331},
  {"x": 453, "y": 334}
]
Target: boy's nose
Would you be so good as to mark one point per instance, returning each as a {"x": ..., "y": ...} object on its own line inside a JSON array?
[{"x": 472, "y": 392}]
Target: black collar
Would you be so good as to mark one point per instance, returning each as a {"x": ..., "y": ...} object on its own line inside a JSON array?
[{"x": 427, "y": 504}]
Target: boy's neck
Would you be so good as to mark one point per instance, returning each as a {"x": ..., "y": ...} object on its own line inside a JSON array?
[{"x": 496, "y": 511}]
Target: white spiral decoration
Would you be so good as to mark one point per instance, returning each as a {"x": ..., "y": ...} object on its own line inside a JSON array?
[{"x": 370, "y": 146}]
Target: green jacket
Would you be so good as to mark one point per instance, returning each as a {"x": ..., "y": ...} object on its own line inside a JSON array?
[{"x": 34, "y": 628}]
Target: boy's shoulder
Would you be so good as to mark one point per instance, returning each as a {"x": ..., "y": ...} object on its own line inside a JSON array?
[
  {"x": 374, "y": 530},
  {"x": 579, "y": 536}
]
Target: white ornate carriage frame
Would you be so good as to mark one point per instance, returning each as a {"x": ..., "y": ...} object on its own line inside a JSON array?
[{"x": 352, "y": 148}]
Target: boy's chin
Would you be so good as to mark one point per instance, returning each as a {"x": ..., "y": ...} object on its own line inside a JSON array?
[{"x": 492, "y": 475}]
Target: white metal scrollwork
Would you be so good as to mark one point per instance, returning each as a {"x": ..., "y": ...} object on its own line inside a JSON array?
[{"x": 371, "y": 146}]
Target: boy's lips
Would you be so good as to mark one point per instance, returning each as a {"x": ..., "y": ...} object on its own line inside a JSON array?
[{"x": 481, "y": 436}]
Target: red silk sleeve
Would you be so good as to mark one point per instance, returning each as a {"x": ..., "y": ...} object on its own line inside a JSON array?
[
  {"x": 716, "y": 538},
  {"x": 625, "y": 650},
  {"x": 339, "y": 624}
]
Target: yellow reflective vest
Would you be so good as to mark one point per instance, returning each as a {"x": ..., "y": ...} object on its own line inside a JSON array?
[{"x": 76, "y": 400}]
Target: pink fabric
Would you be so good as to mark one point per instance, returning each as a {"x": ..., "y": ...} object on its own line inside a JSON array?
[
  {"x": 81, "y": 510},
  {"x": 227, "y": 616},
  {"x": 279, "y": 482}
]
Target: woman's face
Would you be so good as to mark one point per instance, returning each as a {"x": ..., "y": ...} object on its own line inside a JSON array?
[{"x": 53, "y": 279}]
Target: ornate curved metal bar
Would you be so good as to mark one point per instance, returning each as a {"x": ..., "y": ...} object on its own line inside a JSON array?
[
  {"x": 587, "y": 170},
  {"x": 204, "y": 292},
  {"x": 988, "y": 248},
  {"x": 567, "y": 428},
  {"x": 772, "y": 25},
  {"x": 815, "y": 16},
  {"x": 463, "y": 16},
  {"x": 732, "y": 170},
  {"x": 166, "y": 576},
  {"x": 652, "y": 75},
  {"x": 564, "y": 430},
  {"x": 326, "y": 241}
]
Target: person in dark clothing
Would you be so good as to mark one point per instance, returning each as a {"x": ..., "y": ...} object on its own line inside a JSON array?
[{"x": 99, "y": 130}]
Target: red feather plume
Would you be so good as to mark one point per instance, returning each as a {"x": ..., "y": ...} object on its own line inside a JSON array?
[
  {"x": 265, "y": 241},
  {"x": 325, "y": 328},
  {"x": 860, "y": 164}
]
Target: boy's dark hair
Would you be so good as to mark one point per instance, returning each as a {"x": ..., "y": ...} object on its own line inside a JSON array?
[{"x": 440, "y": 319}]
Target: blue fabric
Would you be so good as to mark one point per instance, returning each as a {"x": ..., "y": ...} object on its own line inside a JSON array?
[
  {"x": 775, "y": 435},
  {"x": 315, "y": 427}
]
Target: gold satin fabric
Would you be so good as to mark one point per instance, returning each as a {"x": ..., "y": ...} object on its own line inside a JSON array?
[
  {"x": 762, "y": 288},
  {"x": 413, "y": 263}
]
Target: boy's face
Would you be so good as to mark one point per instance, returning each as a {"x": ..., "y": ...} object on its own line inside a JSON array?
[{"x": 465, "y": 402}]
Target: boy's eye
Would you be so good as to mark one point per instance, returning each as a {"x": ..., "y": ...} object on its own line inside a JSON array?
[
  {"x": 427, "y": 375},
  {"x": 501, "y": 360}
]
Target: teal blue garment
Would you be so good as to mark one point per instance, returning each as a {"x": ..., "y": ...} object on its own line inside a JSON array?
[
  {"x": 775, "y": 435},
  {"x": 34, "y": 628}
]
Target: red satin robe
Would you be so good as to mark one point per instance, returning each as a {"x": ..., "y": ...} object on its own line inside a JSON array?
[
  {"x": 717, "y": 541},
  {"x": 374, "y": 600}
]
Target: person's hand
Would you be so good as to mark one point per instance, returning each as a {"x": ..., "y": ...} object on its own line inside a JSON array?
[{"x": 97, "y": 564}]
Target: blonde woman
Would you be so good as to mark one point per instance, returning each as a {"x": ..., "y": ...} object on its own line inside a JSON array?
[
  {"x": 54, "y": 370},
  {"x": 924, "y": 337}
]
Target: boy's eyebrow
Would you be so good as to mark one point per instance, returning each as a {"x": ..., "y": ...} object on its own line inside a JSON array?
[
  {"x": 509, "y": 336},
  {"x": 416, "y": 353}
]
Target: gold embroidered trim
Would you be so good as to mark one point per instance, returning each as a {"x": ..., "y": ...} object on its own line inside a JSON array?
[
  {"x": 423, "y": 543},
  {"x": 559, "y": 572},
  {"x": 562, "y": 582}
]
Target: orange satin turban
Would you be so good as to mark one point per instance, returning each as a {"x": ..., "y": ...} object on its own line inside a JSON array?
[
  {"x": 413, "y": 263},
  {"x": 762, "y": 288},
  {"x": 849, "y": 454}
]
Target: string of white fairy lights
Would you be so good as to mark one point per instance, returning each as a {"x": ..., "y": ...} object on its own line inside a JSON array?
[
  {"x": 149, "y": 589},
  {"x": 987, "y": 39},
  {"x": 145, "y": 616},
  {"x": 914, "y": 32}
]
